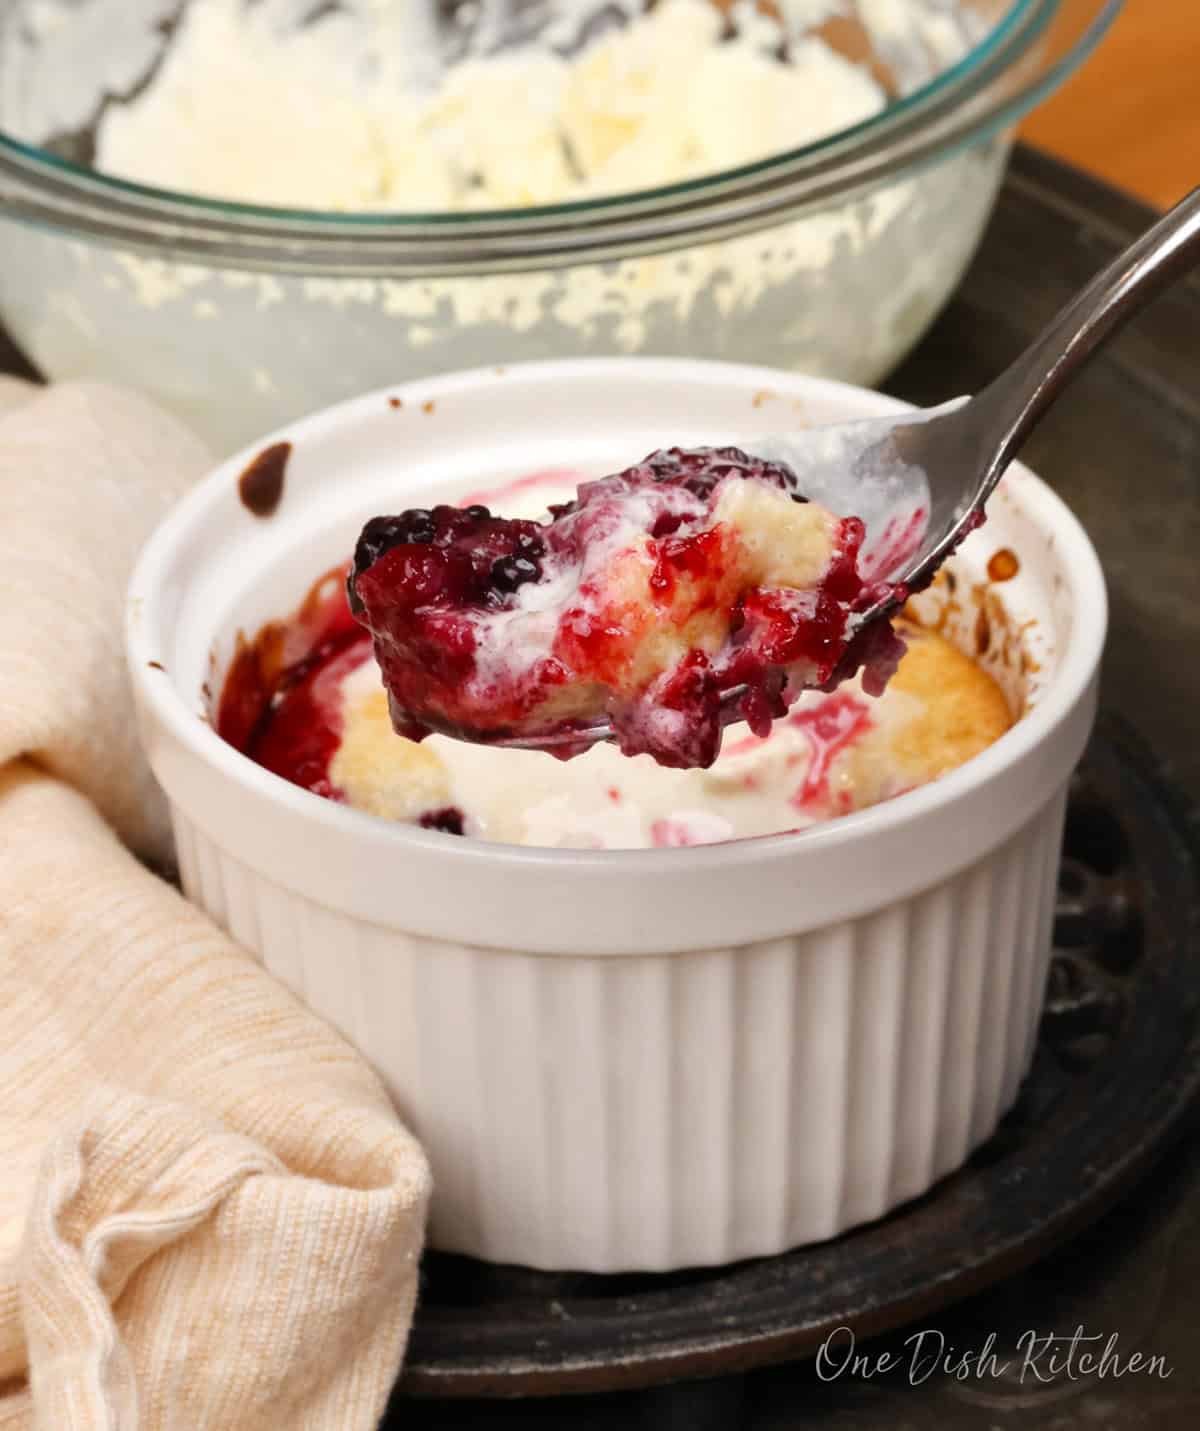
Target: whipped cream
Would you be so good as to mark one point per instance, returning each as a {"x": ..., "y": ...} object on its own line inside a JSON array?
[
  {"x": 358, "y": 110},
  {"x": 840, "y": 291}
]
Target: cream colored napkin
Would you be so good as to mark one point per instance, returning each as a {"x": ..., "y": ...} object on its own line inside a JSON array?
[{"x": 209, "y": 1214}]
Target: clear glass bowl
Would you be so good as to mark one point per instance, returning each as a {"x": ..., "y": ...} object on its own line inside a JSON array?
[{"x": 831, "y": 259}]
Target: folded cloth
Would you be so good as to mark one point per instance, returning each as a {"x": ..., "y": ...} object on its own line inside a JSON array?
[
  {"x": 14, "y": 392},
  {"x": 210, "y": 1216}
]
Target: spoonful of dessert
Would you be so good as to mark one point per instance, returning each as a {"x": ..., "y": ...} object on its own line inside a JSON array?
[{"x": 706, "y": 586}]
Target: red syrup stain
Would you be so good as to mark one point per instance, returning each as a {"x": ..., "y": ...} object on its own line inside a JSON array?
[
  {"x": 691, "y": 557},
  {"x": 901, "y": 540},
  {"x": 281, "y": 701},
  {"x": 549, "y": 477},
  {"x": 743, "y": 746},
  {"x": 301, "y": 736},
  {"x": 830, "y": 727}
]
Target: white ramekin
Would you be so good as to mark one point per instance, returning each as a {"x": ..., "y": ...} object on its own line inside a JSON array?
[{"x": 632, "y": 1059}]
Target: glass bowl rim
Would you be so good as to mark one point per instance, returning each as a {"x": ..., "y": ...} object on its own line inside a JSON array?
[{"x": 850, "y": 138}]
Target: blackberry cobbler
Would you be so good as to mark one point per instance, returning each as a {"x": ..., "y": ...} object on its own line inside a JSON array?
[{"x": 692, "y": 590}]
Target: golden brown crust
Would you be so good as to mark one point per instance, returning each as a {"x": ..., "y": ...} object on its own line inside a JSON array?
[
  {"x": 963, "y": 709},
  {"x": 380, "y": 772}
]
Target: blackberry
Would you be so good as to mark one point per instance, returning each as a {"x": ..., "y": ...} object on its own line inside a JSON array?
[
  {"x": 509, "y": 573},
  {"x": 699, "y": 470},
  {"x": 450, "y": 821},
  {"x": 381, "y": 534}
]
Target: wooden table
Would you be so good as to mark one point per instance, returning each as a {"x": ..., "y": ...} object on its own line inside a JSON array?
[{"x": 1131, "y": 115}]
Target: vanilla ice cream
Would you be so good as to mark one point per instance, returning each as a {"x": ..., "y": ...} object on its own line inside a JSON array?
[{"x": 832, "y": 755}]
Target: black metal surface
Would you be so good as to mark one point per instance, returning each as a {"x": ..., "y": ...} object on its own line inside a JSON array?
[{"x": 1124, "y": 450}]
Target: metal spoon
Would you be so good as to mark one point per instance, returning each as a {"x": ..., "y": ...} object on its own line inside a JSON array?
[
  {"x": 961, "y": 450},
  {"x": 965, "y": 451}
]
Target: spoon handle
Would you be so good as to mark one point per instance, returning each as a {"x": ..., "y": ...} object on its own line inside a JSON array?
[{"x": 1017, "y": 399}]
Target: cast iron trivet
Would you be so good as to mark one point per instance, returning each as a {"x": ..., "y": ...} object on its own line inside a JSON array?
[{"x": 1117, "y": 1065}]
